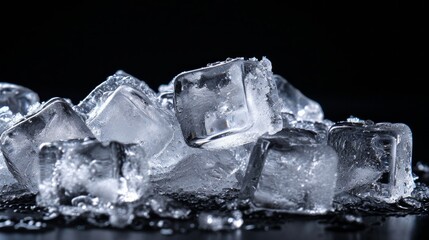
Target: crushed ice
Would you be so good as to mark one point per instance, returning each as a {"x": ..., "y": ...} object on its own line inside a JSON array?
[{"x": 211, "y": 150}]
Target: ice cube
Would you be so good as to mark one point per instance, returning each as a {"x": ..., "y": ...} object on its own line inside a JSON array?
[
  {"x": 291, "y": 172},
  {"x": 99, "y": 95},
  {"x": 293, "y": 101},
  {"x": 374, "y": 159},
  {"x": 15, "y": 102},
  {"x": 126, "y": 114},
  {"x": 55, "y": 120},
  {"x": 227, "y": 104},
  {"x": 109, "y": 172},
  {"x": 17, "y": 98},
  {"x": 207, "y": 172}
]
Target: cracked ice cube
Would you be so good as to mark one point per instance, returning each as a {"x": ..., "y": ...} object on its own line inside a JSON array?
[
  {"x": 128, "y": 115},
  {"x": 106, "y": 172},
  {"x": 55, "y": 120},
  {"x": 374, "y": 159},
  {"x": 227, "y": 104},
  {"x": 296, "y": 103},
  {"x": 291, "y": 172}
]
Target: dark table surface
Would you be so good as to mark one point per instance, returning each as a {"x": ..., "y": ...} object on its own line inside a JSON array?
[{"x": 376, "y": 227}]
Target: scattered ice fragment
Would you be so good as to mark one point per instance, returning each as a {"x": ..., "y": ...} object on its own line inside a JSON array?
[
  {"x": 293, "y": 101},
  {"x": 291, "y": 172},
  {"x": 227, "y": 104},
  {"x": 167, "y": 208},
  {"x": 91, "y": 171},
  {"x": 374, "y": 159},
  {"x": 217, "y": 221},
  {"x": 55, "y": 120}
]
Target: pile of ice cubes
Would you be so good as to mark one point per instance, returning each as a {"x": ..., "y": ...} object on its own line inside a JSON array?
[{"x": 229, "y": 125}]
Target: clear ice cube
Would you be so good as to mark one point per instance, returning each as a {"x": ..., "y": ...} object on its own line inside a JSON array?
[
  {"x": 78, "y": 169},
  {"x": 293, "y": 101},
  {"x": 291, "y": 172},
  {"x": 55, "y": 120},
  {"x": 227, "y": 104},
  {"x": 15, "y": 102},
  {"x": 374, "y": 159}
]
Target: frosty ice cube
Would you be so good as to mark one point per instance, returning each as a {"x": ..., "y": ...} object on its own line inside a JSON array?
[
  {"x": 227, "y": 104},
  {"x": 126, "y": 114},
  {"x": 374, "y": 159},
  {"x": 99, "y": 95},
  {"x": 290, "y": 172},
  {"x": 15, "y": 102},
  {"x": 17, "y": 98},
  {"x": 293, "y": 101},
  {"x": 55, "y": 120},
  {"x": 109, "y": 172}
]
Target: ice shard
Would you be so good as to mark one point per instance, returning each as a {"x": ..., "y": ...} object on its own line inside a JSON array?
[
  {"x": 55, "y": 120},
  {"x": 291, "y": 172},
  {"x": 227, "y": 104},
  {"x": 374, "y": 158}
]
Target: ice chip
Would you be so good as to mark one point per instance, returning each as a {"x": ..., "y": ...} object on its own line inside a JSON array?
[
  {"x": 291, "y": 172},
  {"x": 76, "y": 169},
  {"x": 293, "y": 101},
  {"x": 227, "y": 104},
  {"x": 55, "y": 120},
  {"x": 374, "y": 159}
]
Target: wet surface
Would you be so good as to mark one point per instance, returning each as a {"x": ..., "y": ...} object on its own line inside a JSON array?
[{"x": 374, "y": 227}]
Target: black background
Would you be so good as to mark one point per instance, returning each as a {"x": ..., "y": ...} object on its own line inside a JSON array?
[{"x": 354, "y": 58}]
